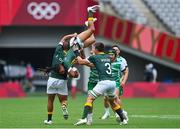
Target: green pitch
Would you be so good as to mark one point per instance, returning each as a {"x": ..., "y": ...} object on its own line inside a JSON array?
[{"x": 30, "y": 112}]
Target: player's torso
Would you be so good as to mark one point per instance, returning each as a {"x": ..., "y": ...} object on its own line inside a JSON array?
[{"x": 116, "y": 71}]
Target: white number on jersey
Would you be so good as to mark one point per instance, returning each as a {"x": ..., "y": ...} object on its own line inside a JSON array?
[{"x": 108, "y": 71}]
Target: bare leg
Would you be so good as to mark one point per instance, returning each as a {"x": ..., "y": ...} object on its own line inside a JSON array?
[
  {"x": 50, "y": 102},
  {"x": 117, "y": 99},
  {"x": 50, "y": 106},
  {"x": 87, "y": 33},
  {"x": 63, "y": 101},
  {"x": 106, "y": 108},
  {"x": 88, "y": 42}
]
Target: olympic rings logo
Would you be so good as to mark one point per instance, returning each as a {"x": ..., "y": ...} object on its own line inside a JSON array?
[{"x": 43, "y": 10}]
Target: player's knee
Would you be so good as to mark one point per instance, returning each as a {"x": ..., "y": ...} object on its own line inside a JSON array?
[
  {"x": 93, "y": 94},
  {"x": 111, "y": 99},
  {"x": 92, "y": 29},
  {"x": 93, "y": 40}
]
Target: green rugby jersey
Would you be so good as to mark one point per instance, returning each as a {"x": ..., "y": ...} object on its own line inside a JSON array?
[
  {"x": 118, "y": 66},
  {"x": 102, "y": 63},
  {"x": 58, "y": 57},
  {"x": 93, "y": 77},
  {"x": 69, "y": 59}
]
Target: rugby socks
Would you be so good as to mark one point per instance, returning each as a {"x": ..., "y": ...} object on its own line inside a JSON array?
[
  {"x": 90, "y": 14},
  {"x": 106, "y": 110},
  {"x": 119, "y": 111},
  {"x": 49, "y": 116},
  {"x": 64, "y": 105},
  {"x": 87, "y": 110}
]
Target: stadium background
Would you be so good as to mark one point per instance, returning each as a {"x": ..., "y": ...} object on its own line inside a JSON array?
[{"x": 143, "y": 35}]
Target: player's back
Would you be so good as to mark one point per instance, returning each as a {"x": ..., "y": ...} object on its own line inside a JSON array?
[
  {"x": 58, "y": 59},
  {"x": 93, "y": 77},
  {"x": 102, "y": 63}
]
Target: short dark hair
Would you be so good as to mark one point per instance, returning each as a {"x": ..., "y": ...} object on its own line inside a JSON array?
[
  {"x": 99, "y": 46},
  {"x": 117, "y": 47}
]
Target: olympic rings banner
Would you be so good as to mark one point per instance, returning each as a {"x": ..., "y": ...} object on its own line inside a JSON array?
[
  {"x": 139, "y": 37},
  {"x": 43, "y": 12}
]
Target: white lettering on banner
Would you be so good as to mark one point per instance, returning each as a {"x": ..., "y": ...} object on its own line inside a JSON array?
[{"x": 43, "y": 10}]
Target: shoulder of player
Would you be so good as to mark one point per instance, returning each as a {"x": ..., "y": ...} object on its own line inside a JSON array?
[
  {"x": 59, "y": 47},
  {"x": 91, "y": 57},
  {"x": 121, "y": 58}
]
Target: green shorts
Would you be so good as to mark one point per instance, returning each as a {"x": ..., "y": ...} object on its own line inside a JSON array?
[
  {"x": 91, "y": 85},
  {"x": 120, "y": 88},
  {"x": 120, "y": 91}
]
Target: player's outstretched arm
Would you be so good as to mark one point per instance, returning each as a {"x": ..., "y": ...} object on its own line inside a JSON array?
[{"x": 84, "y": 62}]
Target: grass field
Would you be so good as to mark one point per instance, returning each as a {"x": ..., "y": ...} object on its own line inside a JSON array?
[{"x": 30, "y": 112}]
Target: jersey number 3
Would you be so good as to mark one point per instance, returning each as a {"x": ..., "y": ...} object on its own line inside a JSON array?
[{"x": 108, "y": 71}]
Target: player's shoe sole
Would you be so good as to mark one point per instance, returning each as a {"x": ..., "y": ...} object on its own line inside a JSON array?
[
  {"x": 81, "y": 122},
  {"x": 93, "y": 8}
]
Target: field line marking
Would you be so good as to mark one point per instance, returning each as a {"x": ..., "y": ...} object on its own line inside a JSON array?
[{"x": 156, "y": 116}]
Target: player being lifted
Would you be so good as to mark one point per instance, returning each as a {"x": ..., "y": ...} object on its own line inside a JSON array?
[
  {"x": 106, "y": 84},
  {"x": 120, "y": 73},
  {"x": 80, "y": 41}
]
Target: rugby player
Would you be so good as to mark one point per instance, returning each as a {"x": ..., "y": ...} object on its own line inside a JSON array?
[
  {"x": 57, "y": 83},
  {"x": 120, "y": 73},
  {"x": 106, "y": 84}
]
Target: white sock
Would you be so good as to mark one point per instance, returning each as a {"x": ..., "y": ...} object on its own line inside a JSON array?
[
  {"x": 106, "y": 110},
  {"x": 89, "y": 117},
  {"x": 116, "y": 115},
  {"x": 124, "y": 111}
]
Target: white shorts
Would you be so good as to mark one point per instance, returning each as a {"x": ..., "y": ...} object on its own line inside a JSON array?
[
  {"x": 57, "y": 86},
  {"x": 74, "y": 40},
  {"x": 105, "y": 87}
]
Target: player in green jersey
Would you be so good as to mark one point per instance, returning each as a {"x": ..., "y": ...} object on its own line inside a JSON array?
[
  {"x": 57, "y": 82},
  {"x": 106, "y": 84},
  {"x": 120, "y": 73}
]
